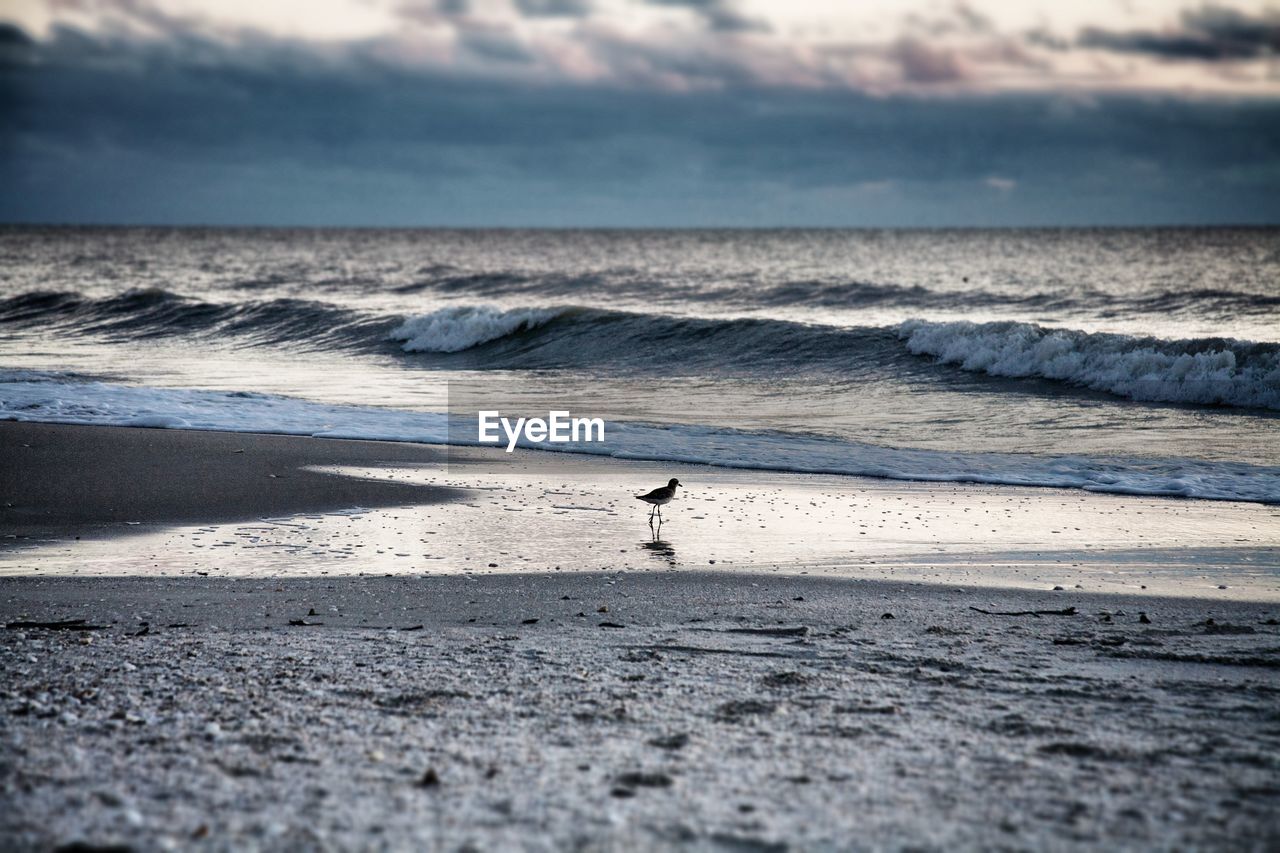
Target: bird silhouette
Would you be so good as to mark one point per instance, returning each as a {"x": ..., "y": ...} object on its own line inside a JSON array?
[{"x": 659, "y": 498}]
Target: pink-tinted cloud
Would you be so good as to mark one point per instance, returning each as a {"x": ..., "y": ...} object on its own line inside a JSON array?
[{"x": 690, "y": 45}]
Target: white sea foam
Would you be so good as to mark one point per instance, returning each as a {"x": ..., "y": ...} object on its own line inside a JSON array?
[
  {"x": 1219, "y": 372},
  {"x": 124, "y": 405},
  {"x": 461, "y": 327},
  {"x": 109, "y": 404}
]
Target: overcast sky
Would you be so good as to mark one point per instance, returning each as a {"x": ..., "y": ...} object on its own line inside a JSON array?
[{"x": 639, "y": 112}]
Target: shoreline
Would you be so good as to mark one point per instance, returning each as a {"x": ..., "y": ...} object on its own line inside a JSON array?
[{"x": 234, "y": 505}]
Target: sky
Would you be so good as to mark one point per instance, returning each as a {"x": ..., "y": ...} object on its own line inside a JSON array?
[{"x": 640, "y": 113}]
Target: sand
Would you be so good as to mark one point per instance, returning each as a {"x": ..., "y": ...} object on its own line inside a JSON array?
[
  {"x": 59, "y": 480},
  {"x": 699, "y": 711},
  {"x": 469, "y": 695}
]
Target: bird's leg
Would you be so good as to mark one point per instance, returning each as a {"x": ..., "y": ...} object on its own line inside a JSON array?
[{"x": 651, "y": 509}]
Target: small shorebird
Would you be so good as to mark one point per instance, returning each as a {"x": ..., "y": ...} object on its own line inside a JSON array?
[{"x": 659, "y": 498}]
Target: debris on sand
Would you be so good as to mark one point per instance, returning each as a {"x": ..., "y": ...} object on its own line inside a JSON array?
[
  {"x": 676, "y": 741},
  {"x": 1066, "y": 611},
  {"x": 642, "y": 779},
  {"x": 732, "y": 712},
  {"x": 785, "y": 679},
  {"x": 62, "y": 625},
  {"x": 1225, "y": 628},
  {"x": 798, "y": 631}
]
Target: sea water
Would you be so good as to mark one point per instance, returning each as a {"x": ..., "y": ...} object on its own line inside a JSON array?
[{"x": 1112, "y": 360}]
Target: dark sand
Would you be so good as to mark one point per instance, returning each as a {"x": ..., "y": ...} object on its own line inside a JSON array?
[{"x": 60, "y": 480}]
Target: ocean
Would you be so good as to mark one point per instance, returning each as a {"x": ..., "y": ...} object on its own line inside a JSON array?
[{"x": 1132, "y": 361}]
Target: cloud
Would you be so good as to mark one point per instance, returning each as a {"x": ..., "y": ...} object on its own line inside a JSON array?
[
  {"x": 554, "y": 8},
  {"x": 1211, "y": 33},
  {"x": 110, "y": 128},
  {"x": 495, "y": 43},
  {"x": 720, "y": 15},
  {"x": 924, "y": 63},
  {"x": 16, "y": 48},
  {"x": 513, "y": 112},
  {"x": 916, "y": 47},
  {"x": 11, "y": 34}
]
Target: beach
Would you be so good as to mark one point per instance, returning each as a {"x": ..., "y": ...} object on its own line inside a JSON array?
[
  {"x": 708, "y": 426},
  {"x": 262, "y": 691}
]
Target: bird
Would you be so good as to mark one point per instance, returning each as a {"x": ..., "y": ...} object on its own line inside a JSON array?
[{"x": 658, "y": 498}]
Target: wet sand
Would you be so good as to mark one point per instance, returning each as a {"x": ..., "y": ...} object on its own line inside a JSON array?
[
  {"x": 346, "y": 508},
  {"x": 60, "y": 480}
]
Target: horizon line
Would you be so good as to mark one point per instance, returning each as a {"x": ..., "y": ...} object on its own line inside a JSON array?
[{"x": 192, "y": 226}]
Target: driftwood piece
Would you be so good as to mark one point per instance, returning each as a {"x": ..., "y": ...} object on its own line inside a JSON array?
[{"x": 1066, "y": 611}]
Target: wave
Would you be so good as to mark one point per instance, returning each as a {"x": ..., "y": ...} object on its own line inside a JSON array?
[
  {"x": 747, "y": 291},
  {"x": 476, "y": 337},
  {"x": 36, "y": 396},
  {"x": 141, "y": 314},
  {"x": 1206, "y": 371},
  {"x": 1214, "y": 371},
  {"x": 461, "y": 327}
]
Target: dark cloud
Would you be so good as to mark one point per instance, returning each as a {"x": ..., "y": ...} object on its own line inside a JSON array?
[
  {"x": 554, "y": 8},
  {"x": 1209, "y": 33},
  {"x": 1233, "y": 27},
  {"x": 1169, "y": 45},
  {"x": 433, "y": 11},
  {"x": 16, "y": 47},
  {"x": 107, "y": 130},
  {"x": 494, "y": 43},
  {"x": 13, "y": 35},
  {"x": 924, "y": 63},
  {"x": 719, "y": 15}
]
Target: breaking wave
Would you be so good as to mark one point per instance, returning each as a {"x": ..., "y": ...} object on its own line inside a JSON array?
[
  {"x": 1214, "y": 371},
  {"x": 1204, "y": 371},
  {"x": 461, "y": 327}
]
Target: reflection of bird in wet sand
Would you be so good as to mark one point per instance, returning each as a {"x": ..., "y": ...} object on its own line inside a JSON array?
[{"x": 659, "y": 498}]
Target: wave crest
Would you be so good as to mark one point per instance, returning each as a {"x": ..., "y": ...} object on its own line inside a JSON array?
[
  {"x": 461, "y": 327},
  {"x": 1214, "y": 371}
]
